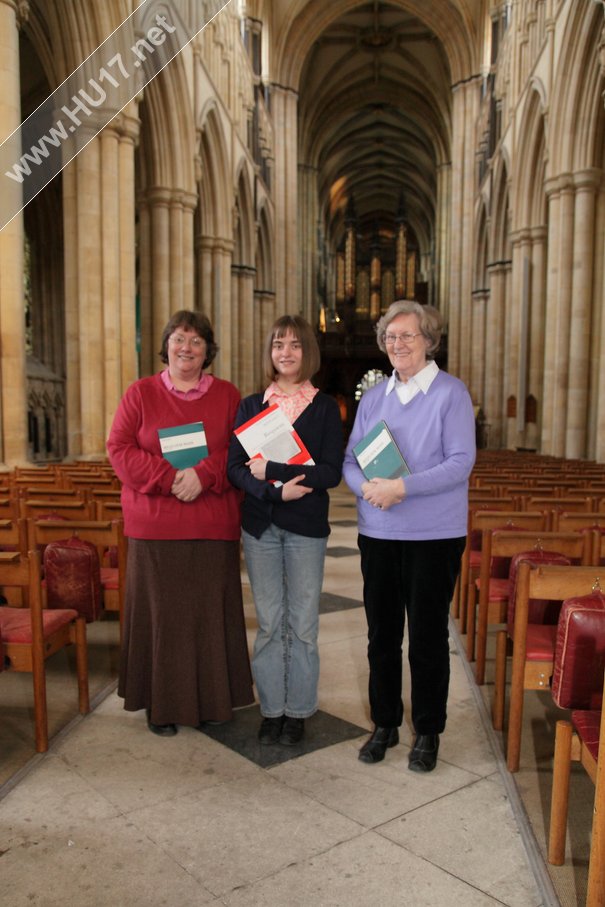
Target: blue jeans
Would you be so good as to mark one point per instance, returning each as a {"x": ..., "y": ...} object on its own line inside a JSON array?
[{"x": 286, "y": 573}]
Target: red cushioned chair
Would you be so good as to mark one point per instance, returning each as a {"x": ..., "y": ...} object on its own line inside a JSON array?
[
  {"x": 486, "y": 569},
  {"x": 579, "y": 669},
  {"x": 108, "y": 538},
  {"x": 492, "y": 586},
  {"x": 31, "y": 635},
  {"x": 72, "y": 576},
  {"x": 533, "y": 645}
]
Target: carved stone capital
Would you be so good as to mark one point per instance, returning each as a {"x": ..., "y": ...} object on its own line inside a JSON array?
[{"x": 20, "y": 8}]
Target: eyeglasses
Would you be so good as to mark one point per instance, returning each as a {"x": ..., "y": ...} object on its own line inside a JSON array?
[
  {"x": 406, "y": 337},
  {"x": 181, "y": 340}
]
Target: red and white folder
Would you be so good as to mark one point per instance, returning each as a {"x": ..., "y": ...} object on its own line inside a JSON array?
[{"x": 271, "y": 436}]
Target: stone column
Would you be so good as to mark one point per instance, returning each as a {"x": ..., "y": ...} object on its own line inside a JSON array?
[
  {"x": 159, "y": 202},
  {"x": 204, "y": 270},
  {"x": 13, "y": 383},
  {"x": 118, "y": 287},
  {"x": 129, "y": 132},
  {"x": 517, "y": 324},
  {"x": 110, "y": 254},
  {"x": 84, "y": 302},
  {"x": 307, "y": 202},
  {"x": 465, "y": 97},
  {"x": 443, "y": 241},
  {"x": 145, "y": 285},
  {"x": 580, "y": 327},
  {"x": 246, "y": 340},
  {"x": 536, "y": 331},
  {"x": 284, "y": 103},
  {"x": 597, "y": 426},
  {"x": 478, "y": 366},
  {"x": 222, "y": 305},
  {"x": 265, "y": 307},
  {"x": 558, "y": 314},
  {"x": 494, "y": 353}
]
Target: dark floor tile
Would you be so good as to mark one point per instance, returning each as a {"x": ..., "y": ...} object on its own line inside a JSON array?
[
  {"x": 341, "y": 551},
  {"x": 241, "y": 736},
  {"x": 329, "y": 603},
  {"x": 343, "y": 522}
]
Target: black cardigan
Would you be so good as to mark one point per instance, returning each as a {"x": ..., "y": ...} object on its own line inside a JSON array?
[{"x": 320, "y": 428}]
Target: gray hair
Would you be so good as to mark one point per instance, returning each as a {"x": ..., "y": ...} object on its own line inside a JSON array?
[{"x": 430, "y": 323}]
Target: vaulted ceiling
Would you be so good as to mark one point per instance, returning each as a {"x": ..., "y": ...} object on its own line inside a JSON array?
[{"x": 374, "y": 102}]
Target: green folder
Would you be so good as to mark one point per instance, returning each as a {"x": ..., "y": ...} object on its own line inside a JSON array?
[
  {"x": 183, "y": 445},
  {"x": 378, "y": 455}
]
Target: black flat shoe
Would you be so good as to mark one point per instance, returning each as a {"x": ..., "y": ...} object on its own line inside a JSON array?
[
  {"x": 382, "y": 739},
  {"x": 269, "y": 730},
  {"x": 292, "y": 732},
  {"x": 423, "y": 755},
  {"x": 162, "y": 730}
]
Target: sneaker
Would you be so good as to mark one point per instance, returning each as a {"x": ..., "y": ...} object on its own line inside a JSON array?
[
  {"x": 269, "y": 730},
  {"x": 292, "y": 732}
]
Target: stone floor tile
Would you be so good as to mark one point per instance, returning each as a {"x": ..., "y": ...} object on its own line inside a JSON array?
[
  {"x": 365, "y": 871},
  {"x": 242, "y": 831},
  {"x": 473, "y": 836}
]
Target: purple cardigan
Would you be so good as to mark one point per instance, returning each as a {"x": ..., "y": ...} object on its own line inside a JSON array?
[{"x": 436, "y": 434}]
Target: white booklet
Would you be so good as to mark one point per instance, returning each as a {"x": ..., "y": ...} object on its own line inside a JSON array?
[{"x": 271, "y": 436}]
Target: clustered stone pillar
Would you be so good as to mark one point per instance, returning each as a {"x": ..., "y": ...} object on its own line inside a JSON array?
[
  {"x": 166, "y": 264},
  {"x": 13, "y": 385},
  {"x": 99, "y": 216},
  {"x": 465, "y": 98},
  {"x": 284, "y": 105}
]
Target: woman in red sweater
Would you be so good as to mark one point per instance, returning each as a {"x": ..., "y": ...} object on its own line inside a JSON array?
[{"x": 184, "y": 653}]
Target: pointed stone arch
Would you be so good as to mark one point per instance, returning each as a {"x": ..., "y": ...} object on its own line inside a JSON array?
[
  {"x": 167, "y": 199},
  {"x": 302, "y": 28},
  {"x": 265, "y": 302},
  {"x": 243, "y": 277},
  {"x": 574, "y": 408}
]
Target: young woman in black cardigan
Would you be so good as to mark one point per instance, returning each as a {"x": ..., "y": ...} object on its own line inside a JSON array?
[{"x": 285, "y": 530}]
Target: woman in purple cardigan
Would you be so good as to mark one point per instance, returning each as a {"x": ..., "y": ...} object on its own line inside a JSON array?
[{"x": 412, "y": 530}]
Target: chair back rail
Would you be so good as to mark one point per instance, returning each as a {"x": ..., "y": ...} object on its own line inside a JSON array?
[
  {"x": 546, "y": 582},
  {"x": 31, "y": 635},
  {"x": 500, "y": 543}
]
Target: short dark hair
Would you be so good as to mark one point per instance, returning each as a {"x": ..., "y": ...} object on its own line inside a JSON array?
[
  {"x": 303, "y": 332},
  {"x": 429, "y": 322},
  {"x": 195, "y": 321}
]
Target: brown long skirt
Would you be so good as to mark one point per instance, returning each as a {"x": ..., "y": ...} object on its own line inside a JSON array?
[{"x": 184, "y": 650}]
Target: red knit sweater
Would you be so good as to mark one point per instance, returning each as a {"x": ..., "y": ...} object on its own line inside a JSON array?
[{"x": 150, "y": 510}]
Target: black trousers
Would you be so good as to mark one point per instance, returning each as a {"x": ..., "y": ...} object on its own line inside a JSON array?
[{"x": 417, "y": 579}]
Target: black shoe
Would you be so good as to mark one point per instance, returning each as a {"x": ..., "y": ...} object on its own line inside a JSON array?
[
  {"x": 382, "y": 739},
  {"x": 162, "y": 730},
  {"x": 293, "y": 731},
  {"x": 270, "y": 729},
  {"x": 423, "y": 755}
]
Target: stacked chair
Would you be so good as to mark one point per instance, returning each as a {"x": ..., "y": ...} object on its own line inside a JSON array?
[
  {"x": 61, "y": 567},
  {"x": 579, "y": 669}
]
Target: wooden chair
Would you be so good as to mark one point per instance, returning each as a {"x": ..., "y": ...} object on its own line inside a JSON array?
[
  {"x": 483, "y": 520},
  {"x": 72, "y": 509},
  {"x": 108, "y": 510},
  {"x": 90, "y": 481},
  {"x": 31, "y": 635},
  {"x": 105, "y": 535},
  {"x": 532, "y": 645},
  {"x": 9, "y": 508},
  {"x": 494, "y": 598},
  {"x": 50, "y": 493},
  {"x": 472, "y": 551},
  {"x": 579, "y": 669},
  {"x": 554, "y": 504},
  {"x": 13, "y": 537}
]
